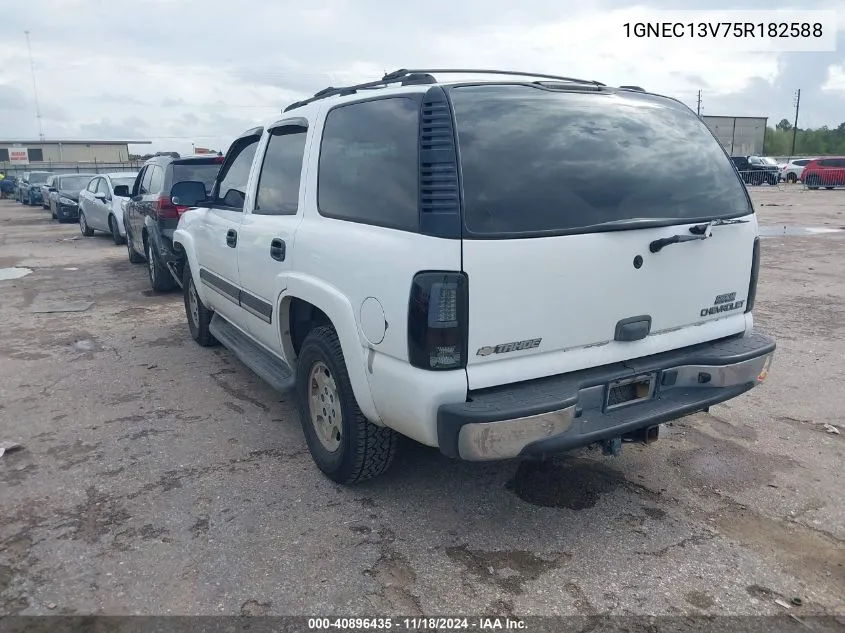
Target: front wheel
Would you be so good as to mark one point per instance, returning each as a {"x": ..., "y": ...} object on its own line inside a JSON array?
[
  {"x": 86, "y": 230},
  {"x": 160, "y": 278},
  {"x": 134, "y": 257},
  {"x": 346, "y": 446},
  {"x": 199, "y": 316}
]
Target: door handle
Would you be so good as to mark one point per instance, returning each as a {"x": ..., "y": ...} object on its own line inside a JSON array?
[
  {"x": 277, "y": 249},
  {"x": 231, "y": 238}
]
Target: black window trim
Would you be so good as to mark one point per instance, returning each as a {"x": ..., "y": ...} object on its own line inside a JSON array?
[
  {"x": 255, "y": 134},
  {"x": 414, "y": 96},
  {"x": 300, "y": 123}
]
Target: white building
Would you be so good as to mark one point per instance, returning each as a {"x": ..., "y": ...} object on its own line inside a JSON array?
[{"x": 39, "y": 153}]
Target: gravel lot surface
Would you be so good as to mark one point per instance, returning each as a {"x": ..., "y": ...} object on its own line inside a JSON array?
[{"x": 158, "y": 477}]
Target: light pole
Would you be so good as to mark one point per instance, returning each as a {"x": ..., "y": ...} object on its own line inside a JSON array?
[{"x": 34, "y": 88}]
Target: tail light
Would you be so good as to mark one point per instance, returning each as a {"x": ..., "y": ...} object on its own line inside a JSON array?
[
  {"x": 437, "y": 321},
  {"x": 755, "y": 273},
  {"x": 166, "y": 210}
]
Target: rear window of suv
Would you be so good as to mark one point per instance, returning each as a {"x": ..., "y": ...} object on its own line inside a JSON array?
[
  {"x": 536, "y": 162},
  {"x": 204, "y": 172}
]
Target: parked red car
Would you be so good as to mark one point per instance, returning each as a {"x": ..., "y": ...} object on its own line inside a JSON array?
[{"x": 824, "y": 172}]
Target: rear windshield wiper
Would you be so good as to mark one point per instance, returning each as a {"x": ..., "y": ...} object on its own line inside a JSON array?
[
  {"x": 700, "y": 229},
  {"x": 699, "y": 232},
  {"x": 657, "y": 245}
]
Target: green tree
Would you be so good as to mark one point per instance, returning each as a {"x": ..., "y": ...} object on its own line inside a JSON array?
[{"x": 784, "y": 125}]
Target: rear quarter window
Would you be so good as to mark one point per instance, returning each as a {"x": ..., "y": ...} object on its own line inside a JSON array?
[
  {"x": 368, "y": 169},
  {"x": 536, "y": 161}
]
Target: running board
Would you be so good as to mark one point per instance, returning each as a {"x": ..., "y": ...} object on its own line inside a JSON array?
[{"x": 269, "y": 368}]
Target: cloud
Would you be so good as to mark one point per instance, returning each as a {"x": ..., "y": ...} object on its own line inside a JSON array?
[{"x": 199, "y": 72}]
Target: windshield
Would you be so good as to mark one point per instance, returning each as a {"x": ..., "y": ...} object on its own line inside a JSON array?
[
  {"x": 37, "y": 178},
  {"x": 535, "y": 161},
  {"x": 205, "y": 173},
  {"x": 74, "y": 183}
]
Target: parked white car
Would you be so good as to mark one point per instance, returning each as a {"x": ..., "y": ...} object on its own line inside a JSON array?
[
  {"x": 101, "y": 204},
  {"x": 791, "y": 171}
]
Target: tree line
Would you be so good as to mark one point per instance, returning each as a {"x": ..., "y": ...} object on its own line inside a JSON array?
[{"x": 822, "y": 141}]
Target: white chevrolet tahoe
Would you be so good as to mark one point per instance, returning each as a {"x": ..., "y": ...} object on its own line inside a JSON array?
[{"x": 488, "y": 266}]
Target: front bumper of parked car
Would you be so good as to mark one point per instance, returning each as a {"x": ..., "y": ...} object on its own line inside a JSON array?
[{"x": 67, "y": 209}]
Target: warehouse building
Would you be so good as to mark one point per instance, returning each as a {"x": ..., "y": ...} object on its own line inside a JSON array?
[
  {"x": 739, "y": 135},
  {"x": 39, "y": 153}
]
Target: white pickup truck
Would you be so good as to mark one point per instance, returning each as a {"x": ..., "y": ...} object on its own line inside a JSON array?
[{"x": 485, "y": 265}]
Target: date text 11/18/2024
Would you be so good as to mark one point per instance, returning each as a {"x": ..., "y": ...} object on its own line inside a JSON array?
[{"x": 416, "y": 624}]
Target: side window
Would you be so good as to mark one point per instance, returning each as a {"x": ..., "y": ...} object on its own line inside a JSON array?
[
  {"x": 824, "y": 163},
  {"x": 230, "y": 189},
  {"x": 368, "y": 168},
  {"x": 102, "y": 186},
  {"x": 144, "y": 179},
  {"x": 156, "y": 180},
  {"x": 278, "y": 184},
  {"x": 92, "y": 186}
]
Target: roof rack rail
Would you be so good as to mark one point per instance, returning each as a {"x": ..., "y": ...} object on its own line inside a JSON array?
[
  {"x": 637, "y": 88},
  {"x": 407, "y": 77}
]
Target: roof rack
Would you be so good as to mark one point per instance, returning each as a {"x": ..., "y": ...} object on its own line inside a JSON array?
[
  {"x": 408, "y": 77},
  {"x": 637, "y": 88}
]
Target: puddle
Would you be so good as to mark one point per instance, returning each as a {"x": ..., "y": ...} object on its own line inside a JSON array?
[
  {"x": 574, "y": 483},
  {"x": 13, "y": 273},
  {"x": 776, "y": 231}
]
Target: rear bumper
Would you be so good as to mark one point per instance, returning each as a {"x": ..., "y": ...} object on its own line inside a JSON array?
[{"x": 563, "y": 412}]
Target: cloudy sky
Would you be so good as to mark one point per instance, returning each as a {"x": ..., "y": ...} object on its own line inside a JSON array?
[{"x": 178, "y": 72}]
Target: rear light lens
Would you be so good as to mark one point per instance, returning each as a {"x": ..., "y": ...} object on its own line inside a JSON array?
[
  {"x": 755, "y": 273},
  {"x": 166, "y": 210},
  {"x": 437, "y": 321}
]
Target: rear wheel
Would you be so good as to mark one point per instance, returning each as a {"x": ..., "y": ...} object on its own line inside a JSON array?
[
  {"x": 199, "y": 316},
  {"x": 828, "y": 188},
  {"x": 115, "y": 231},
  {"x": 791, "y": 178},
  {"x": 86, "y": 230},
  {"x": 160, "y": 278},
  {"x": 346, "y": 446},
  {"x": 813, "y": 182}
]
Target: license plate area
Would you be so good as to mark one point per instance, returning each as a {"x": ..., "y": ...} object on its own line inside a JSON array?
[{"x": 628, "y": 391}]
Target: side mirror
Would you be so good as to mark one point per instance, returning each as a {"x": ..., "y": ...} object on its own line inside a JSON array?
[
  {"x": 188, "y": 193},
  {"x": 122, "y": 191},
  {"x": 100, "y": 195}
]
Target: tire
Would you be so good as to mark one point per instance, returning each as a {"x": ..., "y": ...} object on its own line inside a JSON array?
[
  {"x": 86, "y": 230},
  {"x": 199, "y": 316},
  {"x": 115, "y": 231},
  {"x": 363, "y": 449},
  {"x": 53, "y": 213},
  {"x": 160, "y": 278},
  {"x": 134, "y": 258},
  {"x": 791, "y": 178}
]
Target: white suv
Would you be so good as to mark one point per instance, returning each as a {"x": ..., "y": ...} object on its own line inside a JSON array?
[{"x": 487, "y": 266}]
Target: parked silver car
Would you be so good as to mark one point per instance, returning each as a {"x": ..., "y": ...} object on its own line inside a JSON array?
[{"x": 101, "y": 204}]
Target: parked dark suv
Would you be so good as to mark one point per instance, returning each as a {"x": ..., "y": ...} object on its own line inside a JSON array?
[
  {"x": 755, "y": 171},
  {"x": 150, "y": 217}
]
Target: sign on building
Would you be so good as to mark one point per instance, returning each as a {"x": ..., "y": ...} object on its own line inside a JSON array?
[{"x": 19, "y": 156}]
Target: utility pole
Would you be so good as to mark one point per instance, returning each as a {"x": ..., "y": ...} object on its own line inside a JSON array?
[
  {"x": 34, "y": 88},
  {"x": 795, "y": 125},
  {"x": 698, "y": 107}
]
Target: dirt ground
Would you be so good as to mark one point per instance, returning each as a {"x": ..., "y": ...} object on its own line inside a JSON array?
[{"x": 158, "y": 477}]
